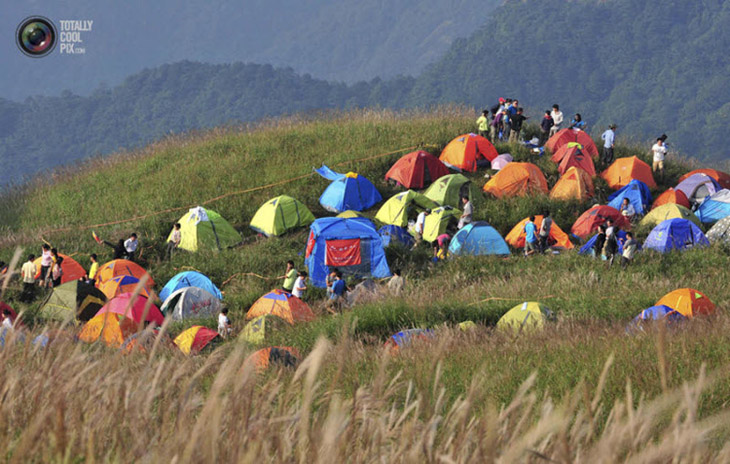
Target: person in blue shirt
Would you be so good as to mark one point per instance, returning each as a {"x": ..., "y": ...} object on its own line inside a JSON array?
[
  {"x": 337, "y": 295},
  {"x": 608, "y": 139},
  {"x": 577, "y": 122},
  {"x": 530, "y": 237}
]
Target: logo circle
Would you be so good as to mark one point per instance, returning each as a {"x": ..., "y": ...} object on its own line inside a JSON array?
[{"x": 36, "y": 36}]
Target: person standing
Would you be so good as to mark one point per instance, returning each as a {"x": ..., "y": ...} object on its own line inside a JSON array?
[
  {"x": 93, "y": 270},
  {"x": 557, "y": 116},
  {"x": 483, "y": 124},
  {"x": 224, "y": 324},
  {"x": 495, "y": 125},
  {"x": 516, "y": 123},
  {"x": 175, "y": 239},
  {"x": 659, "y": 151},
  {"x": 530, "y": 237},
  {"x": 609, "y": 138},
  {"x": 600, "y": 241},
  {"x": 57, "y": 272},
  {"x": 545, "y": 125},
  {"x": 28, "y": 272},
  {"x": 300, "y": 285},
  {"x": 421, "y": 225},
  {"x": 506, "y": 123},
  {"x": 547, "y": 224},
  {"x": 130, "y": 246},
  {"x": 466, "y": 216},
  {"x": 610, "y": 248},
  {"x": 630, "y": 248},
  {"x": 46, "y": 264},
  {"x": 290, "y": 276}
]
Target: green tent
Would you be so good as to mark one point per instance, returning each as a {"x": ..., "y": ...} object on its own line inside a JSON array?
[
  {"x": 448, "y": 190},
  {"x": 202, "y": 228},
  {"x": 438, "y": 221},
  {"x": 73, "y": 300},
  {"x": 529, "y": 315},
  {"x": 280, "y": 215},
  {"x": 257, "y": 331},
  {"x": 403, "y": 206}
]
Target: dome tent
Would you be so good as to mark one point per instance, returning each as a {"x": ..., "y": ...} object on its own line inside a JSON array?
[
  {"x": 517, "y": 179},
  {"x": 720, "y": 232},
  {"x": 556, "y": 239},
  {"x": 675, "y": 234},
  {"x": 190, "y": 279},
  {"x": 624, "y": 170},
  {"x": 688, "y": 302},
  {"x": 575, "y": 184},
  {"x": 448, "y": 190},
  {"x": 416, "y": 170},
  {"x": 73, "y": 300},
  {"x": 349, "y": 191},
  {"x": 714, "y": 208},
  {"x": 403, "y": 206},
  {"x": 672, "y": 196},
  {"x": 204, "y": 229},
  {"x": 722, "y": 178},
  {"x": 281, "y": 304},
  {"x": 280, "y": 215},
  {"x": 566, "y": 136},
  {"x": 191, "y": 303},
  {"x": 637, "y": 193},
  {"x": 668, "y": 211},
  {"x": 478, "y": 238},
  {"x": 589, "y": 221},
  {"x": 466, "y": 152},
  {"x": 527, "y": 316},
  {"x": 698, "y": 186}
]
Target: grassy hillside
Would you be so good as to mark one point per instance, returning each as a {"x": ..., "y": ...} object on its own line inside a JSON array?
[{"x": 591, "y": 377}]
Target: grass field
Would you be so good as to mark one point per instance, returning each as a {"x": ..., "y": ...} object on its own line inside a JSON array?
[{"x": 584, "y": 389}]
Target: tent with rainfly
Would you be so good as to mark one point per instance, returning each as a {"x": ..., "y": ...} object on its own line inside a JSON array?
[
  {"x": 137, "y": 308},
  {"x": 575, "y": 184},
  {"x": 566, "y": 136},
  {"x": 448, "y": 190},
  {"x": 123, "y": 267},
  {"x": 195, "y": 339},
  {"x": 556, "y": 239},
  {"x": 191, "y": 303},
  {"x": 280, "y": 215},
  {"x": 668, "y": 211},
  {"x": 110, "y": 328},
  {"x": 258, "y": 329},
  {"x": 353, "y": 246},
  {"x": 688, "y": 302},
  {"x": 517, "y": 179},
  {"x": 467, "y": 151},
  {"x": 636, "y": 192},
  {"x": 438, "y": 221},
  {"x": 675, "y": 234},
  {"x": 720, "y": 232},
  {"x": 205, "y": 229},
  {"x": 416, "y": 170},
  {"x": 403, "y": 206},
  {"x": 476, "y": 239},
  {"x": 698, "y": 186},
  {"x": 624, "y": 170},
  {"x": 72, "y": 270},
  {"x": 671, "y": 196},
  {"x": 349, "y": 191},
  {"x": 589, "y": 221},
  {"x": 714, "y": 208},
  {"x": 73, "y": 300},
  {"x": 190, "y": 279},
  {"x": 571, "y": 155},
  {"x": 720, "y": 177},
  {"x": 281, "y": 304},
  {"x": 121, "y": 284},
  {"x": 527, "y": 316}
]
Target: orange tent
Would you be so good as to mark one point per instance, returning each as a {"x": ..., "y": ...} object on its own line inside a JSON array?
[
  {"x": 466, "y": 150},
  {"x": 121, "y": 284},
  {"x": 672, "y": 196},
  {"x": 416, "y": 170},
  {"x": 282, "y": 304},
  {"x": 722, "y": 178},
  {"x": 517, "y": 179},
  {"x": 122, "y": 267},
  {"x": 688, "y": 302},
  {"x": 111, "y": 328},
  {"x": 281, "y": 355},
  {"x": 624, "y": 170},
  {"x": 589, "y": 221},
  {"x": 558, "y": 238},
  {"x": 578, "y": 159},
  {"x": 72, "y": 270},
  {"x": 575, "y": 184},
  {"x": 565, "y": 136}
]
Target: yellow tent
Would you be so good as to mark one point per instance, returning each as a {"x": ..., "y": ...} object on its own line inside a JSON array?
[
  {"x": 349, "y": 214},
  {"x": 202, "y": 228},
  {"x": 259, "y": 328},
  {"x": 403, "y": 206},
  {"x": 279, "y": 215},
  {"x": 526, "y": 316},
  {"x": 437, "y": 222},
  {"x": 668, "y": 211}
]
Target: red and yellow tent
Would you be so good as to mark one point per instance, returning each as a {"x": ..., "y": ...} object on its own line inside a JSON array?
[
  {"x": 281, "y": 304},
  {"x": 195, "y": 339},
  {"x": 72, "y": 270},
  {"x": 589, "y": 221},
  {"x": 122, "y": 267},
  {"x": 688, "y": 302}
]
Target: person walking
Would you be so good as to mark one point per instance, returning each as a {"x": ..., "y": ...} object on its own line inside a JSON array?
[
  {"x": 557, "y": 116},
  {"x": 531, "y": 244},
  {"x": 609, "y": 136}
]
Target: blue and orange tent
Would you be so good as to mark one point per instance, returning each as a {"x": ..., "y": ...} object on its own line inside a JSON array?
[
  {"x": 281, "y": 304},
  {"x": 349, "y": 191}
]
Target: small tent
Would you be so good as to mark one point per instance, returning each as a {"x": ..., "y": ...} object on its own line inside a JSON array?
[
  {"x": 575, "y": 184},
  {"x": 190, "y": 279},
  {"x": 527, "y": 316},
  {"x": 438, "y": 221},
  {"x": 280, "y": 215},
  {"x": 403, "y": 206},
  {"x": 556, "y": 239},
  {"x": 353, "y": 246},
  {"x": 395, "y": 235},
  {"x": 671, "y": 196},
  {"x": 121, "y": 284},
  {"x": 720, "y": 232},
  {"x": 624, "y": 170},
  {"x": 688, "y": 302},
  {"x": 260, "y": 328},
  {"x": 566, "y": 136},
  {"x": 478, "y": 238},
  {"x": 191, "y": 303},
  {"x": 406, "y": 337},
  {"x": 448, "y": 190},
  {"x": 657, "y": 313},
  {"x": 467, "y": 151},
  {"x": 72, "y": 270},
  {"x": 517, "y": 179},
  {"x": 668, "y": 211},
  {"x": 111, "y": 328},
  {"x": 281, "y": 304},
  {"x": 501, "y": 161},
  {"x": 589, "y": 221},
  {"x": 204, "y": 229},
  {"x": 349, "y": 191},
  {"x": 73, "y": 300},
  {"x": 714, "y": 208},
  {"x": 195, "y": 339},
  {"x": 279, "y": 356},
  {"x": 565, "y": 150},
  {"x": 722, "y": 178},
  {"x": 123, "y": 267},
  {"x": 698, "y": 186},
  {"x": 675, "y": 234},
  {"x": 576, "y": 158},
  {"x": 136, "y": 308},
  {"x": 636, "y": 192},
  {"x": 416, "y": 170}
]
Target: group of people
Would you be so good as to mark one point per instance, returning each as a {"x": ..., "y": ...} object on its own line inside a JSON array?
[
  {"x": 123, "y": 249},
  {"x": 607, "y": 245},
  {"x": 442, "y": 241},
  {"x": 50, "y": 273},
  {"x": 504, "y": 123},
  {"x": 537, "y": 238}
]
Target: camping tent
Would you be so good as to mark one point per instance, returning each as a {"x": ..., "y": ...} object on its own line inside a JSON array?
[
  {"x": 403, "y": 206},
  {"x": 675, "y": 234},
  {"x": 194, "y": 339},
  {"x": 395, "y": 235},
  {"x": 478, "y": 238},
  {"x": 688, "y": 302},
  {"x": 574, "y": 156},
  {"x": 406, "y": 337},
  {"x": 347, "y": 191},
  {"x": 589, "y": 221},
  {"x": 204, "y": 229},
  {"x": 671, "y": 196},
  {"x": 281, "y": 304},
  {"x": 556, "y": 239},
  {"x": 73, "y": 300},
  {"x": 123, "y": 267},
  {"x": 668, "y": 211},
  {"x": 353, "y": 246},
  {"x": 638, "y": 194},
  {"x": 657, "y": 313},
  {"x": 189, "y": 279},
  {"x": 529, "y": 315},
  {"x": 517, "y": 179},
  {"x": 575, "y": 184},
  {"x": 722, "y": 178},
  {"x": 283, "y": 356},
  {"x": 438, "y": 221},
  {"x": 720, "y": 232},
  {"x": 349, "y": 214},
  {"x": 698, "y": 186},
  {"x": 111, "y": 328},
  {"x": 466, "y": 151},
  {"x": 136, "y": 308},
  {"x": 416, "y": 170},
  {"x": 257, "y": 330},
  {"x": 191, "y": 303},
  {"x": 72, "y": 270},
  {"x": 280, "y": 215},
  {"x": 565, "y": 150},
  {"x": 565, "y": 136},
  {"x": 121, "y": 284},
  {"x": 501, "y": 161},
  {"x": 449, "y": 189},
  {"x": 715, "y": 208},
  {"x": 624, "y": 170}
]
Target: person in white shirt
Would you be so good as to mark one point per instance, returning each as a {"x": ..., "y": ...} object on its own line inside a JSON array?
[
  {"x": 421, "y": 225},
  {"x": 224, "y": 324},
  {"x": 557, "y": 116},
  {"x": 7, "y": 321},
  {"x": 130, "y": 246},
  {"x": 28, "y": 272},
  {"x": 466, "y": 217},
  {"x": 659, "y": 151},
  {"x": 627, "y": 210},
  {"x": 300, "y": 285},
  {"x": 175, "y": 239}
]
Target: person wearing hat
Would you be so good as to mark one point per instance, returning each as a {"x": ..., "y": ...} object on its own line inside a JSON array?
[
  {"x": 608, "y": 139},
  {"x": 483, "y": 124},
  {"x": 557, "y": 116}
]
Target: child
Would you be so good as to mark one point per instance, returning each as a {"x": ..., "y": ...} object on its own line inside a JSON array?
[
  {"x": 130, "y": 246},
  {"x": 175, "y": 240},
  {"x": 224, "y": 324},
  {"x": 300, "y": 285}
]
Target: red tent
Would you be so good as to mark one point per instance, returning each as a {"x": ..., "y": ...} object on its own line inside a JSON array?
[
  {"x": 589, "y": 221},
  {"x": 566, "y": 136},
  {"x": 672, "y": 196},
  {"x": 135, "y": 310},
  {"x": 465, "y": 151},
  {"x": 416, "y": 170},
  {"x": 576, "y": 157}
]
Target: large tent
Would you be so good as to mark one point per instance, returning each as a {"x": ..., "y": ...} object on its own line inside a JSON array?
[
  {"x": 349, "y": 191},
  {"x": 636, "y": 192},
  {"x": 722, "y": 178},
  {"x": 416, "y": 170},
  {"x": 589, "y": 221},
  {"x": 675, "y": 234},
  {"x": 671, "y": 196},
  {"x": 624, "y": 170},
  {"x": 715, "y": 208},
  {"x": 575, "y": 184},
  {"x": 527, "y": 316},
  {"x": 191, "y": 303},
  {"x": 720, "y": 232},
  {"x": 205, "y": 229},
  {"x": 688, "y": 302},
  {"x": 517, "y": 179},
  {"x": 448, "y": 190},
  {"x": 353, "y": 246},
  {"x": 478, "y": 238},
  {"x": 467, "y": 151},
  {"x": 668, "y": 211},
  {"x": 566, "y": 136},
  {"x": 190, "y": 279},
  {"x": 556, "y": 239},
  {"x": 72, "y": 270},
  {"x": 280, "y": 215},
  {"x": 403, "y": 206},
  {"x": 698, "y": 186},
  {"x": 73, "y": 300}
]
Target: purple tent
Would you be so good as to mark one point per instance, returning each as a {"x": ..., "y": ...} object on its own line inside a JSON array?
[
  {"x": 501, "y": 161},
  {"x": 698, "y": 186}
]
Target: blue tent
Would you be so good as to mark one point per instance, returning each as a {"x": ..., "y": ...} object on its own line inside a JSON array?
[
  {"x": 588, "y": 246},
  {"x": 478, "y": 238},
  {"x": 404, "y": 337},
  {"x": 352, "y": 245},
  {"x": 349, "y": 191},
  {"x": 675, "y": 234},
  {"x": 658, "y": 312},
  {"x": 638, "y": 194},
  {"x": 392, "y": 235},
  {"x": 189, "y": 279},
  {"x": 714, "y": 208}
]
